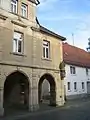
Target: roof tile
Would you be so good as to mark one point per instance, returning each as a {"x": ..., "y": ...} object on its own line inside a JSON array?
[{"x": 75, "y": 56}]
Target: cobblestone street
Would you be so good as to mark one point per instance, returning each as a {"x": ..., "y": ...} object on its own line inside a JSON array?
[{"x": 73, "y": 110}]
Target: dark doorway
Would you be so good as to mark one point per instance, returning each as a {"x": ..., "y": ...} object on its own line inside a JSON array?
[
  {"x": 52, "y": 96},
  {"x": 16, "y": 93}
]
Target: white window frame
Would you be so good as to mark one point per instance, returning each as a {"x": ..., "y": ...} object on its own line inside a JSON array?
[
  {"x": 14, "y": 4},
  {"x": 46, "y": 49},
  {"x": 68, "y": 86},
  {"x": 87, "y": 71},
  {"x": 83, "y": 85},
  {"x": 24, "y": 10},
  {"x": 18, "y": 37},
  {"x": 75, "y": 86},
  {"x": 73, "y": 70}
]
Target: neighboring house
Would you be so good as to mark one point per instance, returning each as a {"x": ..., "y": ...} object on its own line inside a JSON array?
[
  {"x": 77, "y": 67},
  {"x": 28, "y": 56}
]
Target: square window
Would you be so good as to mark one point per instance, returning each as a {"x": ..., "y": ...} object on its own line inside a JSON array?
[
  {"x": 14, "y": 6},
  {"x": 46, "y": 49},
  {"x": 24, "y": 10},
  {"x": 17, "y": 42}
]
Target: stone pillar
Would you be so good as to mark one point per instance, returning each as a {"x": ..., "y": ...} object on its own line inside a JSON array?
[
  {"x": 59, "y": 91},
  {"x": 35, "y": 105},
  {"x": 30, "y": 99},
  {"x": 33, "y": 94},
  {"x": 33, "y": 99},
  {"x": 34, "y": 89},
  {"x": 53, "y": 97},
  {"x": 1, "y": 102}
]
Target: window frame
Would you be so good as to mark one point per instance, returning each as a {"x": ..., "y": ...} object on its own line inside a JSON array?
[
  {"x": 83, "y": 86},
  {"x": 73, "y": 70},
  {"x": 24, "y": 9},
  {"x": 46, "y": 49},
  {"x": 14, "y": 4},
  {"x": 87, "y": 71},
  {"x": 75, "y": 86},
  {"x": 68, "y": 86},
  {"x": 16, "y": 47}
]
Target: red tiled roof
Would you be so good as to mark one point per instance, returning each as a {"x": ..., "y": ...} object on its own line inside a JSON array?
[{"x": 75, "y": 56}]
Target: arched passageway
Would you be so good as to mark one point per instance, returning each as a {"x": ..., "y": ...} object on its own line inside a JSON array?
[
  {"x": 52, "y": 94},
  {"x": 16, "y": 92}
]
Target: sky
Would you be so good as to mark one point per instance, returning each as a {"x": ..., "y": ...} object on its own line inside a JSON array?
[{"x": 69, "y": 18}]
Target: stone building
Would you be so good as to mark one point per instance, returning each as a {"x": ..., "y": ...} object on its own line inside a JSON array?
[{"x": 29, "y": 54}]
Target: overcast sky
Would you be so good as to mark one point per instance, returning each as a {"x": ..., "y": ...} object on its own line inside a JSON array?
[{"x": 66, "y": 17}]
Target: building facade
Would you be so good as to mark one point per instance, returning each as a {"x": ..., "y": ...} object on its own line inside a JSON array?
[
  {"x": 28, "y": 56},
  {"x": 77, "y": 67}
]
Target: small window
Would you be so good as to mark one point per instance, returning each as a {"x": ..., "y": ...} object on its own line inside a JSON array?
[
  {"x": 83, "y": 85},
  {"x": 75, "y": 86},
  {"x": 24, "y": 10},
  {"x": 87, "y": 72},
  {"x": 68, "y": 85},
  {"x": 72, "y": 70},
  {"x": 46, "y": 49},
  {"x": 17, "y": 42},
  {"x": 14, "y": 6}
]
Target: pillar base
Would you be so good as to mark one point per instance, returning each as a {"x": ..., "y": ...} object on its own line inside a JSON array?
[
  {"x": 33, "y": 108},
  {"x": 60, "y": 103}
]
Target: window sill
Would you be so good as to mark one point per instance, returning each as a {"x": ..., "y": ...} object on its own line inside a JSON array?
[
  {"x": 24, "y": 17},
  {"x": 73, "y": 74},
  {"x": 69, "y": 90},
  {"x": 18, "y": 54},
  {"x": 48, "y": 59},
  {"x": 75, "y": 90},
  {"x": 14, "y": 13},
  {"x": 83, "y": 90},
  {"x": 19, "y": 15}
]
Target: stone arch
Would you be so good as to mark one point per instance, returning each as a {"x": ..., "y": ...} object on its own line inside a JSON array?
[
  {"x": 51, "y": 80},
  {"x": 16, "y": 92}
]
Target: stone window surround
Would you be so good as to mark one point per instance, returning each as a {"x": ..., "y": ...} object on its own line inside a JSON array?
[
  {"x": 19, "y": 5},
  {"x": 24, "y": 10},
  {"x": 14, "y": 4},
  {"x": 17, "y": 40},
  {"x": 46, "y": 46}
]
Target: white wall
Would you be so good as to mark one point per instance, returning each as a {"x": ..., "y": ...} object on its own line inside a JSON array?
[{"x": 79, "y": 77}]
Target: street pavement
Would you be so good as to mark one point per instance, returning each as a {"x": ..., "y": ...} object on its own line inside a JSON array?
[{"x": 72, "y": 110}]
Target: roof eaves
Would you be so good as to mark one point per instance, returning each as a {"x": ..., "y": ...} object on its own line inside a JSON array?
[
  {"x": 45, "y": 30},
  {"x": 35, "y": 1},
  {"x": 76, "y": 64}
]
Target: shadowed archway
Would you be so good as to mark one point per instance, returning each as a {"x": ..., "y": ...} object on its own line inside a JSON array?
[
  {"x": 52, "y": 96},
  {"x": 16, "y": 92}
]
